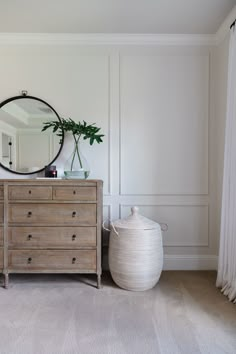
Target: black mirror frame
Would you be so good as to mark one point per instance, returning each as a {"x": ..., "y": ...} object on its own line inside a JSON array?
[{"x": 62, "y": 138}]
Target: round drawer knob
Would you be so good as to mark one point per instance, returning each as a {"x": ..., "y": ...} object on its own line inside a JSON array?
[
  {"x": 73, "y": 237},
  {"x": 29, "y": 191},
  {"x": 73, "y": 260},
  {"x": 29, "y": 214},
  {"x": 73, "y": 214},
  {"x": 29, "y": 237},
  {"x": 29, "y": 260},
  {"x": 74, "y": 192}
]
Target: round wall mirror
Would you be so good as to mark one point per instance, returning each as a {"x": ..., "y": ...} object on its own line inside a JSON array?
[{"x": 24, "y": 148}]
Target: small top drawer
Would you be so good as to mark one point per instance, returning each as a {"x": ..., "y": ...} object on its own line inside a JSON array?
[
  {"x": 29, "y": 192},
  {"x": 75, "y": 193},
  {"x": 1, "y": 192}
]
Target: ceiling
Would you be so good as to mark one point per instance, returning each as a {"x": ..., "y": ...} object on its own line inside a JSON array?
[{"x": 114, "y": 16}]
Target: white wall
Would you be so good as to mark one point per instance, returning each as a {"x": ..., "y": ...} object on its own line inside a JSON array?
[{"x": 155, "y": 106}]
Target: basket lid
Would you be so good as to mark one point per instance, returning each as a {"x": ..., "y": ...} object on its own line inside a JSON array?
[{"x": 136, "y": 221}]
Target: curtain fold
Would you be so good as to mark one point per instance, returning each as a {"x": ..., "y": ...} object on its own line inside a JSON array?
[{"x": 226, "y": 277}]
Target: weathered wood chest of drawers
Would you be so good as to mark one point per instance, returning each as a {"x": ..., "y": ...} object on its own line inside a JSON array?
[{"x": 50, "y": 226}]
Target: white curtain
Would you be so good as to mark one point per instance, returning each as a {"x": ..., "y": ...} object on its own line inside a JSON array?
[{"x": 226, "y": 277}]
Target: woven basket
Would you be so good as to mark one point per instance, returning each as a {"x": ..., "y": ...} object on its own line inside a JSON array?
[{"x": 135, "y": 252}]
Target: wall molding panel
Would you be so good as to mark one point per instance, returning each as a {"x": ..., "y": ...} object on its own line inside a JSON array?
[
  {"x": 178, "y": 163},
  {"x": 190, "y": 262},
  {"x": 88, "y": 39},
  {"x": 187, "y": 225}
]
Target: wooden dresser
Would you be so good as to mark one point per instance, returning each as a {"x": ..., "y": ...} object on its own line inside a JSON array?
[{"x": 50, "y": 226}]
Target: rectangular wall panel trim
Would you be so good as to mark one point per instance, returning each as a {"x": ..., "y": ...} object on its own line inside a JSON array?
[
  {"x": 187, "y": 225},
  {"x": 164, "y": 117},
  {"x": 190, "y": 262}
]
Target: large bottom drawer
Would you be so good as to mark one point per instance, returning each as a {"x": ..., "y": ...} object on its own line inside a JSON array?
[
  {"x": 1, "y": 258},
  {"x": 34, "y": 260}
]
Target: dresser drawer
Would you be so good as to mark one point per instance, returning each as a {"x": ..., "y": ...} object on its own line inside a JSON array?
[
  {"x": 1, "y": 213},
  {"x": 29, "y": 193},
  {"x": 52, "y": 237},
  {"x": 59, "y": 214},
  {"x": 75, "y": 193},
  {"x": 1, "y": 257},
  {"x": 1, "y": 236},
  {"x": 1, "y": 192},
  {"x": 36, "y": 260}
]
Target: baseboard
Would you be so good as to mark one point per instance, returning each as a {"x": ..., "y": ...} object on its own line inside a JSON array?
[
  {"x": 190, "y": 262},
  {"x": 183, "y": 262}
]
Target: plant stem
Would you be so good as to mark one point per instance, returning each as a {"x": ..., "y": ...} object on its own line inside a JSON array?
[{"x": 76, "y": 150}]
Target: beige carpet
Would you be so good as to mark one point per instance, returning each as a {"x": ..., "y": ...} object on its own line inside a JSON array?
[{"x": 66, "y": 314}]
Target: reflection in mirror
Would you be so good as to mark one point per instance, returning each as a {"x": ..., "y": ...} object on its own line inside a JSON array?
[
  {"x": 7, "y": 150},
  {"x": 24, "y": 148}
]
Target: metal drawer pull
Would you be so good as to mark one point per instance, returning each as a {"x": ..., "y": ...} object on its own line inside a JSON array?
[
  {"x": 73, "y": 237},
  {"x": 73, "y": 214},
  {"x": 73, "y": 260},
  {"x": 29, "y": 237},
  {"x": 29, "y": 260},
  {"x": 29, "y": 214},
  {"x": 29, "y": 191}
]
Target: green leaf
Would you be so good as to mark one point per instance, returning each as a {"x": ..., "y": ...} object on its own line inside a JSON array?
[{"x": 78, "y": 129}]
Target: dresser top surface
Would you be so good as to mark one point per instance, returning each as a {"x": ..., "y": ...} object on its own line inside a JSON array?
[{"x": 53, "y": 181}]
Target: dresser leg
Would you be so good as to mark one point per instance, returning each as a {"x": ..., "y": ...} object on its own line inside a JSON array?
[
  {"x": 6, "y": 281},
  {"x": 99, "y": 281}
]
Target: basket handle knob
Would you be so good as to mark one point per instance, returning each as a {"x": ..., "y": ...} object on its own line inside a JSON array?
[
  {"x": 134, "y": 210},
  {"x": 164, "y": 226}
]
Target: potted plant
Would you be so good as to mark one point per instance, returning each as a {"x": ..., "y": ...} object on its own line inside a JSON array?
[{"x": 76, "y": 166}]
